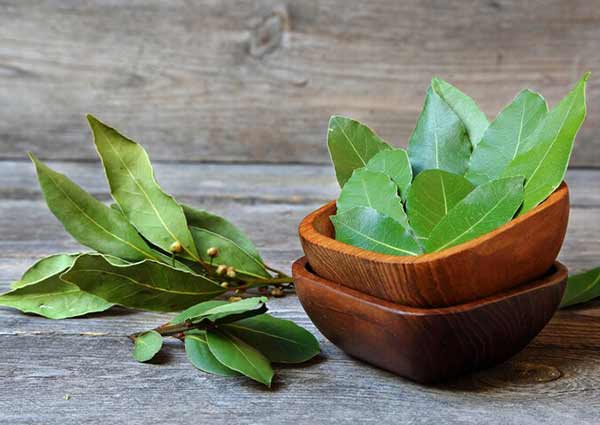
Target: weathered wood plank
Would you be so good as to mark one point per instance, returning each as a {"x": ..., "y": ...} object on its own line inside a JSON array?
[
  {"x": 264, "y": 183},
  {"x": 257, "y": 80},
  {"x": 554, "y": 380}
]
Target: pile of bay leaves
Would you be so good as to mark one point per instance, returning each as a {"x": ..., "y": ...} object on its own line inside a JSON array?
[
  {"x": 153, "y": 253},
  {"x": 470, "y": 176},
  {"x": 461, "y": 176}
]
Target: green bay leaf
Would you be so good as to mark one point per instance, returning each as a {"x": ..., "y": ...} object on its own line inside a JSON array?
[
  {"x": 227, "y": 312},
  {"x": 369, "y": 229},
  {"x": 146, "y": 285},
  {"x": 88, "y": 220},
  {"x": 195, "y": 311},
  {"x": 147, "y": 345},
  {"x": 504, "y": 137},
  {"x": 375, "y": 190},
  {"x": 281, "y": 341},
  {"x": 465, "y": 107},
  {"x": 581, "y": 288},
  {"x": 236, "y": 354},
  {"x": 394, "y": 164},
  {"x": 235, "y": 248},
  {"x": 205, "y": 220},
  {"x": 44, "y": 268},
  {"x": 351, "y": 145},
  {"x": 230, "y": 253},
  {"x": 432, "y": 195},
  {"x": 486, "y": 208},
  {"x": 440, "y": 139},
  {"x": 52, "y": 298},
  {"x": 546, "y": 152},
  {"x": 155, "y": 214},
  {"x": 199, "y": 355}
]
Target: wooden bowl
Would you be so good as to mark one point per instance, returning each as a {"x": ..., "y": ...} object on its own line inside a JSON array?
[
  {"x": 520, "y": 251},
  {"x": 429, "y": 345}
]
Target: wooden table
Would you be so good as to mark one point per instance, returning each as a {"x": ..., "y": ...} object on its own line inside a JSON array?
[{"x": 81, "y": 371}]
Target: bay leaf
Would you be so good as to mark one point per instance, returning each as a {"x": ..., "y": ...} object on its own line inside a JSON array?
[
  {"x": 45, "y": 268},
  {"x": 465, "y": 107},
  {"x": 155, "y": 214},
  {"x": 235, "y": 248},
  {"x": 375, "y": 190},
  {"x": 225, "y": 312},
  {"x": 581, "y": 288},
  {"x": 198, "y": 353},
  {"x": 239, "y": 356},
  {"x": 440, "y": 139},
  {"x": 546, "y": 152},
  {"x": 88, "y": 220},
  {"x": 502, "y": 140},
  {"x": 216, "y": 224},
  {"x": 368, "y": 229},
  {"x": 394, "y": 164},
  {"x": 432, "y": 195},
  {"x": 195, "y": 311},
  {"x": 230, "y": 253},
  {"x": 147, "y": 345},
  {"x": 486, "y": 208},
  {"x": 351, "y": 145},
  {"x": 52, "y": 298},
  {"x": 146, "y": 285},
  {"x": 281, "y": 341}
]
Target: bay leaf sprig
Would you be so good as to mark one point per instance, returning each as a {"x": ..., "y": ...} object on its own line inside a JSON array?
[
  {"x": 581, "y": 288},
  {"x": 231, "y": 339},
  {"x": 461, "y": 177},
  {"x": 150, "y": 251}
]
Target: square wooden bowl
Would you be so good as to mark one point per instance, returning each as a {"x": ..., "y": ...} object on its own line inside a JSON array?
[
  {"x": 429, "y": 345},
  {"x": 520, "y": 251}
]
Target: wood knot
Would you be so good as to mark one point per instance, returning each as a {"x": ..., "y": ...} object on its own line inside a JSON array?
[
  {"x": 269, "y": 32},
  {"x": 523, "y": 373}
]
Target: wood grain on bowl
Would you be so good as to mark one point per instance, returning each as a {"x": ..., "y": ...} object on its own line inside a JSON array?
[
  {"x": 429, "y": 345},
  {"x": 520, "y": 251}
]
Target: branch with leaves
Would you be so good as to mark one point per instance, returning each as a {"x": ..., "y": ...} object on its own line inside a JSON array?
[
  {"x": 229, "y": 339},
  {"x": 150, "y": 252}
]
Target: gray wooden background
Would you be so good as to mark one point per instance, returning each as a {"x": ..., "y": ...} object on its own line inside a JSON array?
[
  {"x": 232, "y": 99},
  {"x": 256, "y": 80}
]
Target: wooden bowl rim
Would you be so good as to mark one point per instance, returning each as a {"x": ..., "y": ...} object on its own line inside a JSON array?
[
  {"x": 308, "y": 231},
  {"x": 556, "y": 275}
]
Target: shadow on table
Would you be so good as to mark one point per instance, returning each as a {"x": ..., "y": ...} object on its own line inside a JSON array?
[{"x": 568, "y": 347}]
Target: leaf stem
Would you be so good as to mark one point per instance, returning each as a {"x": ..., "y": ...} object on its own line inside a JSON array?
[{"x": 169, "y": 329}]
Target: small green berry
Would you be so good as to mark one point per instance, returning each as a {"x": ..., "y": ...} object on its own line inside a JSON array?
[
  {"x": 277, "y": 292},
  {"x": 176, "y": 247},
  {"x": 231, "y": 272}
]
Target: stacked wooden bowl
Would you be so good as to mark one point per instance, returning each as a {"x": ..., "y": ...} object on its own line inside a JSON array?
[{"x": 436, "y": 316}]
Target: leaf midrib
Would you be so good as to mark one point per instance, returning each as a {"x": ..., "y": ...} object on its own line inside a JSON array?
[
  {"x": 551, "y": 145},
  {"x": 232, "y": 339},
  {"x": 136, "y": 182},
  {"x": 139, "y": 283},
  {"x": 261, "y": 265},
  {"x": 476, "y": 223},
  {"x": 72, "y": 201},
  {"x": 376, "y": 241},
  {"x": 264, "y": 333},
  {"x": 349, "y": 141}
]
